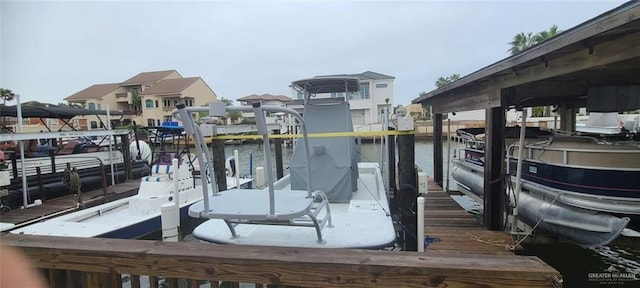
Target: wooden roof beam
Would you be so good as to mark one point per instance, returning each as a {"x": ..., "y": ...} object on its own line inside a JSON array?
[{"x": 486, "y": 94}]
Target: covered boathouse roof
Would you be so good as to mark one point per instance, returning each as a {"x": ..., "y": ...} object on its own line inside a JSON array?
[
  {"x": 52, "y": 112},
  {"x": 600, "y": 57}
]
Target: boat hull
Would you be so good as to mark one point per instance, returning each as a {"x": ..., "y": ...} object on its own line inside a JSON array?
[
  {"x": 544, "y": 206},
  {"x": 364, "y": 222}
]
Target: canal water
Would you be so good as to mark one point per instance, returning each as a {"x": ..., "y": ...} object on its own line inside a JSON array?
[{"x": 580, "y": 267}]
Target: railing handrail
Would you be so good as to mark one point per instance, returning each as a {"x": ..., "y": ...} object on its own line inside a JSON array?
[{"x": 302, "y": 267}]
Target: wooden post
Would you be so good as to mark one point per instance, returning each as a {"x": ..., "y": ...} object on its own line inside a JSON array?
[
  {"x": 14, "y": 165},
  {"x": 99, "y": 280},
  {"x": 494, "y": 193},
  {"x": 135, "y": 281},
  {"x": 126, "y": 153},
  {"x": 278, "y": 148},
  {"x": 392, "y": 166},
  {"x": 437, "y": 149},
  {"x": 567, "y": 118},
  {"x": 43, "y": 194},
  {"x": 72, "y": 180},
  {"x": 74, "y": 279},
  {"x": 103, "y": 176},
  {"x": 55, "y": 277},
  {"x": 153, "y": 280},
  {"x": 408, "y": 192},
  {"x": 52, "y": 155},
  {"x": 218, "y": 164}
]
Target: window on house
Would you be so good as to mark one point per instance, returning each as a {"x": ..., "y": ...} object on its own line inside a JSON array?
[
  {"x": 156, "y": 103},
  {"x": 381, "y": 85},
  {"x": 158, "y": 122},
  {"x": 362, "y": 94},
  {"x": 151, "y": 122},
  {"x": 92, "y": 106},
  {"x": 364, "y": 91},
  {"x": 93, "y": 124},
  {"x": 300, "y": 95},
  {"x": 149, "y": 103}
]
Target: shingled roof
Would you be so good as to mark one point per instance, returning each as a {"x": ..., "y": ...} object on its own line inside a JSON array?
[
  {"x": 367, "y": 75},
  {"x": 170, "y": 86},
  {"x": 94, "y": 91},
  {"x": 147, "y": 77},
  {"x": 264, "y": 97}
]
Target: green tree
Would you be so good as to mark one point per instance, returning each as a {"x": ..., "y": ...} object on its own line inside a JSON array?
[
  {"x": 6, "y": 95},
  {"x": 227, "y": 102},
  {"x": 547, "y": 34},
  {"x": 442, "y": 81},
  {"x": 136, "y": 100},
  {"x": 234, "y": 116},
  {"x": 523, "y": 41}
]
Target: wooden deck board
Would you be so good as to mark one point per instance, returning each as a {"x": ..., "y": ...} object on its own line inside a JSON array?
[
  {"x": 451, "y": 229},
  {"x": 67, "y": 203}
]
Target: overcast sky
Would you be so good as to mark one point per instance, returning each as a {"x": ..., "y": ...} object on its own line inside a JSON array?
[{"x": 52, "y": 49}]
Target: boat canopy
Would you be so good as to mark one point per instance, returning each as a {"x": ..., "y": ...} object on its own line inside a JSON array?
[
  {"x": 326, "y": 84},
  {"x": 52, "y": 112}
]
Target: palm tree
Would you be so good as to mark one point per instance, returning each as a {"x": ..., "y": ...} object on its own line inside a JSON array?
[
  {"x": 446, "y": 80},
  {"x": 522, "y": 41},
  {"x": 6, "y": 95},
  {"x": 547, "y": 34}
]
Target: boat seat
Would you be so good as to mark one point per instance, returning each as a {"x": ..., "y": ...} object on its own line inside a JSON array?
[
  {"x": 161, "y": 169},
  {"x": 159, "y": 173},
  {"x": 251, "y": 206}
]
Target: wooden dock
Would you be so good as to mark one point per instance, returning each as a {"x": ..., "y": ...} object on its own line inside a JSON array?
[
  {"x": 68, "y": 203},
  {"x": 451, "y": 229},
  {"x": 464, "y": 255}
]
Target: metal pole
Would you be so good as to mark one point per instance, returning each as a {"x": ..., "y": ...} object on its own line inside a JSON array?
[
  {"x": 113, "y": 176},
  {"x": 420, "y": 224},
  {"x": 523, "y": 129},
  {"x": 23, "y": 170},
  {"x": 448, "y": 150},
  {"x": 176, "y": 191},
  {"x": 237, "y": 164}
]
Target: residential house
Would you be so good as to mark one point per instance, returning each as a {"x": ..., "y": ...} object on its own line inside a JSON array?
[
  {"x": 415, "y": 110},
  {"x": 266, "y": 99},
  {"x": 376, "y": 93},
  {"x": 147, "y": 98}
]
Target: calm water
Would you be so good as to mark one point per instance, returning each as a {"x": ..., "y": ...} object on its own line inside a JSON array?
[{"x": 573, "y": 262}]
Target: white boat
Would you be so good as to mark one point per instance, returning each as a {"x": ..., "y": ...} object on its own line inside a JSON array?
[
  {"x": 138, "y": 215},
  {"x": 328, "y": 200},
  {"x": 131, "y": 217},
  {"x": 577, "y": 187}
]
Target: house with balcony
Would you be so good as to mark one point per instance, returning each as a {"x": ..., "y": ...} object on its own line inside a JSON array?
[
  {"x": 147, "y": 98},
  {"x": 375, "y": 93}
]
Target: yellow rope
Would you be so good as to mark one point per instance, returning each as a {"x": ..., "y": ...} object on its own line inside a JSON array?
[
  {"x": 493, "y": 242},
  {"x": 315, "y": 135}
]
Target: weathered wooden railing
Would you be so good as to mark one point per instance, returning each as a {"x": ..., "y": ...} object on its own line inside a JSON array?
[{"x": 82, "y": 262}]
